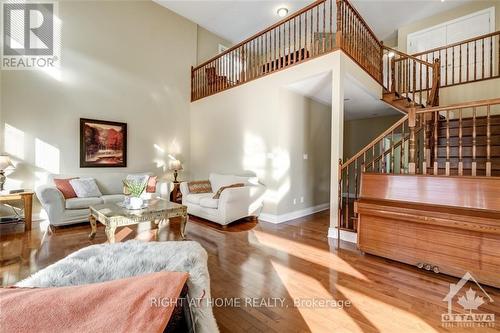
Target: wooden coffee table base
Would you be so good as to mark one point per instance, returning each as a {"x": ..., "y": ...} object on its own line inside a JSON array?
[{"x": 114, "y": 221}]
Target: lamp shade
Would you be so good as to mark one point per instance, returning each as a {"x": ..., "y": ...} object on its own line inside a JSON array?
[
  {"x": 175, "y": 165},
  {"x": 5, "y": 162}
]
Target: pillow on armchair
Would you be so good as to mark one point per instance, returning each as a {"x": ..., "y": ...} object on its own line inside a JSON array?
[
  {"x": 219, "y": 192},
  {"x": 200, "y": 186}
]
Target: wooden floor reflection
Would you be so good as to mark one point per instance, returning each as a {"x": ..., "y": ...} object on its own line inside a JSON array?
[{"x": 253, "y": 263}]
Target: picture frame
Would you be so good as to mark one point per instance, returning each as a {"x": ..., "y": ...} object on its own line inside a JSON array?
[{"x": 103, "y": 144}]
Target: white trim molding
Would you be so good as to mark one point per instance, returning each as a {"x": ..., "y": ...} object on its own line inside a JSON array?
[
  {"x": 272, "y": 218},
  {"x": 345, "y": 235}
]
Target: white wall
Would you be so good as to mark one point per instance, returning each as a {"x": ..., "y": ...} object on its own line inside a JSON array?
[{"x": 121, "y": 61}]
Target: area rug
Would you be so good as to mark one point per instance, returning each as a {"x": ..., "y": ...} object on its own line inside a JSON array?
[{"x": 104, "y": 262}]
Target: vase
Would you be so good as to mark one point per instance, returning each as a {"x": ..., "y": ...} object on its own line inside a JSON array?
[{"x": 136, "y": 202}]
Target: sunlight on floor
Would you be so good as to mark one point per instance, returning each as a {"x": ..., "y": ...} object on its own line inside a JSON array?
[
  {"x": 374, "y": 309},
  {"x": 306, "y": 252},
  {"x": 303, "y": 287}
]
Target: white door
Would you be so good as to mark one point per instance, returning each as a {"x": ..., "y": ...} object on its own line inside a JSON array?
[
  {"x": 426, "y": 40},
  {"x": 458, "y": 63}
]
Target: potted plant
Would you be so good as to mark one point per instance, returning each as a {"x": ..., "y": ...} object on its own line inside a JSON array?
[{"x": 135, "y": 189}]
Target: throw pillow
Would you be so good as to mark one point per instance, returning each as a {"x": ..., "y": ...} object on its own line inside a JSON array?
[
  {"x": 65, "y": 187},
  {"x": 85, "y": 187},
  {"x": 200, "y": 186},
  {"x": 151, "y": 187},
  {"x": 217, "y": 195}
]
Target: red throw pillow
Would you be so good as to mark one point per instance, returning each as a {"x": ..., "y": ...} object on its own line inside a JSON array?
[
  {"x": 151, "y": 186},
  {"x": 65, "y": 187}
]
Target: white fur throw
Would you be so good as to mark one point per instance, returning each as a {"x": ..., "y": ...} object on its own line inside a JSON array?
[{"x": 104, "y": 262}]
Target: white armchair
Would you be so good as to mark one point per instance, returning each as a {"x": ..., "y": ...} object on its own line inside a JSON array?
[{"x": 233, "y": 204}]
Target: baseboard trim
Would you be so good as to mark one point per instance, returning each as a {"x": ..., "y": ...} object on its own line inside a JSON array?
[
  {"x": 272, "y": 218},
  {"x": 345, "y": 235}
]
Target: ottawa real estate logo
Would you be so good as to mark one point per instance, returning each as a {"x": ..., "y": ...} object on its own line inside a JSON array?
[
  {"x": 30, "y": 35},
  {"x": 469, "y": 296}
]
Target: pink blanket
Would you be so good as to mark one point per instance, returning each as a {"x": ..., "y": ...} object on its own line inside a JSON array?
[{"x": 137, "y": 304}]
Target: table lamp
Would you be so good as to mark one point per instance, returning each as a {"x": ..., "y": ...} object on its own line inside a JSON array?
[
  {"x": 5, "y": 163},
  {"x": 175, "y": 166}
]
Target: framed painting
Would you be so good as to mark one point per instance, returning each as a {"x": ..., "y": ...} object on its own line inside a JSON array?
[{"x": 102, "y": 144}]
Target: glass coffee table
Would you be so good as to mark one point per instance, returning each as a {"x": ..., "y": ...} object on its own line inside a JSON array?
[{"x": 113, "y": 215}]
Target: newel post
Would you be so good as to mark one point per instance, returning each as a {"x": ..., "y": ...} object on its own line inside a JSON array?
[
  {"x": 192, "y": 84},
  {"x": 393, "y": 74},
  {"x": 338, "y": 34},
  {"x": 412, "y": 122},
  {"x": 436, "y": 81}
]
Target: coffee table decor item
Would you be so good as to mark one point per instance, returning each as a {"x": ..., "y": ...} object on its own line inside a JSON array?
[
  {"x": 112, "y": 215},
  {"x": 134, "y": 189}
]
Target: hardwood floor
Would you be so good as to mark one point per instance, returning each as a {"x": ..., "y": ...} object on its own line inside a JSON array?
[{"x": 256, "y": 262}]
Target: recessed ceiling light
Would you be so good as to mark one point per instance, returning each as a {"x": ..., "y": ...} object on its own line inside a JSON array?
[{"x": 282, "y": 12}]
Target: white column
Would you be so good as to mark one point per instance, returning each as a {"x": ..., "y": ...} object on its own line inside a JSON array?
[{"x": 337, "y": 139}]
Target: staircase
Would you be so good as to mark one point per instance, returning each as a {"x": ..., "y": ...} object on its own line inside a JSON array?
[
  {"x": 409, "y": 82},
  {"x": 454, "y": 140},
  {"x": 468, "y": 146}
]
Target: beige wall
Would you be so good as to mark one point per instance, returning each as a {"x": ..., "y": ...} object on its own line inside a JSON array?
[
  {"x": 360, "y": 132},
  {"x": 117, "y": 64},
  {"x": 431, "y": 21},
  {"x": 208, "y": 44},
  {"x": 264, "y": 129},
  {"x": 304, "y": 127}
]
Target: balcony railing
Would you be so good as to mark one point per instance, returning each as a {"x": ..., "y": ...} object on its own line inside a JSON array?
[
  {"x": 471, "y": 60},
  {"x": 320, "y": 28}
]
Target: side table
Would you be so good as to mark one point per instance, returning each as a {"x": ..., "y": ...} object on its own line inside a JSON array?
[{"x": 27, "y": 199}]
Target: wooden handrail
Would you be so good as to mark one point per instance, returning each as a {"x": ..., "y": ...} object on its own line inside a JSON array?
[
  {"x": 260, "y": 33},
  {"x": 394, "y": 146},
  {"x": 457, "y": 43},
  {"x": 374, "y": 141},
  {"x": 471, "y": 60},
  {"x": 457, "y": 106},
  {"x": 406, "y": 56},
  {"x": 276, "y": 48},
  {"x": 362, "y": 21}
]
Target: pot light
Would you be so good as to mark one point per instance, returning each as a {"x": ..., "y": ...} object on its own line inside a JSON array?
[{"x": 282, "y": 12}]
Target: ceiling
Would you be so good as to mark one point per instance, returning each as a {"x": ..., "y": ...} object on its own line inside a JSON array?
[
  {"x": 238, "y": 20},
  {"x": 358, "y": 103}
]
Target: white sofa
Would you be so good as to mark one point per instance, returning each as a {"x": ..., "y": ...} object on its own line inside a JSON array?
[
  {"x": 233, "y": 204},
  {"x": 69, "y": 211}
]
